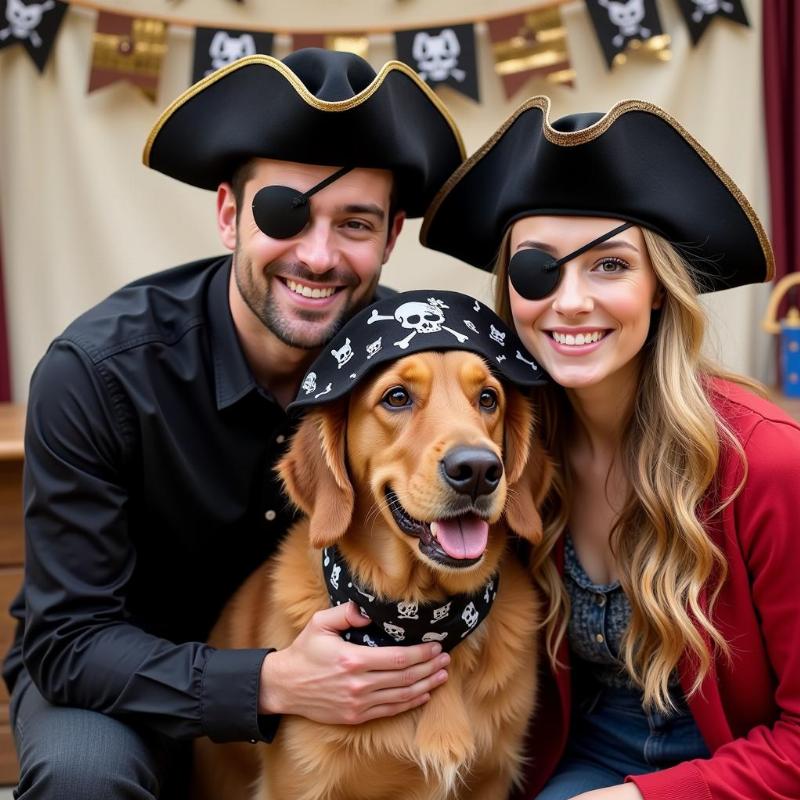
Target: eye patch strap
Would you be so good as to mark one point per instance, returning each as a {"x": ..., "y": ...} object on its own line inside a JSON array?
[
  {"x": 302, "y": 197},
  {"x": 581, "y": 250}
]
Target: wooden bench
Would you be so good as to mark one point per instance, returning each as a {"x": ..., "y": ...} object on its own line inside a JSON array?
[{"x": 12, "y": 549}]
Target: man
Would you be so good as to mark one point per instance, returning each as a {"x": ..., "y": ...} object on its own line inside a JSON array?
[{"x": 155, "y": 420}]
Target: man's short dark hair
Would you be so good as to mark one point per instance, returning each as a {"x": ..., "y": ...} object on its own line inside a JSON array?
[{"x": 242, "y": 174}]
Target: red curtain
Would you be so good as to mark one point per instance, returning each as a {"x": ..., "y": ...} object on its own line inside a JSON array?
[
  {"x": 781, "y": 53},
  {"x": 5, "y": 371}
]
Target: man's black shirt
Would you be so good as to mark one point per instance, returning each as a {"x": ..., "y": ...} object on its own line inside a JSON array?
[{"x": 149, "y": 496}]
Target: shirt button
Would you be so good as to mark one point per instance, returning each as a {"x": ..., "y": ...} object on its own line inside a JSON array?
[
  {"x": 269, "y": 515},
  {"x": 600, "y": 599},
  {"x": 599, "y": 638},
  {"x": 280, "y": 438}
]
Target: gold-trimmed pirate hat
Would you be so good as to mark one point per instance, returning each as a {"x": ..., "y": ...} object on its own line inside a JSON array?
[
  {"x": 314, "y": 107},
  {"x": 634, "y": 163}
]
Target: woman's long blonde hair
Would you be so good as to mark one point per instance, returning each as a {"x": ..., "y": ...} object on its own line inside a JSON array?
[{"x": 670, "y": 453}]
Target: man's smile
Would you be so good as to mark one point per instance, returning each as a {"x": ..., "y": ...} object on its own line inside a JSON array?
[{"x": 308, "y": 291}]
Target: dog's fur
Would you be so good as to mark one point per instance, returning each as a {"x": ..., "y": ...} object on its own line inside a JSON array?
[{"x": 466, "y": 741}]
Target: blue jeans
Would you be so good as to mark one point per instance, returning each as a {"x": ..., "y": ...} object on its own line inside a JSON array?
[
  {"x": 75, "y": 754},
  {"x": 613, "y": 736}
]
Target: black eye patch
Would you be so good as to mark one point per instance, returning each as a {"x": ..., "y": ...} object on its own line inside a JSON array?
[
  {"x": 535, "y": 274},
  {"x": 282, "y": 212}
]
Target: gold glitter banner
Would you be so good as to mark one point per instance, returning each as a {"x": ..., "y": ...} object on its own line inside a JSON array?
[
  {"x": 129, "y": 49},
  {"x": 530, "y": 45},
  {"x": 656, "y": 47},
  {"x": 356, "y": 43}
]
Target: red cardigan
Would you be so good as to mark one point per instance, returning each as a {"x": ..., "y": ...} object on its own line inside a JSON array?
[{"x": 748, "y": 709}]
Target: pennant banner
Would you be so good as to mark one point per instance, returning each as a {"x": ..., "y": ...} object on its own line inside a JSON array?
[
  {"x": 530, "y": 45},
  {"x": 699, "y": 13},
  {"x": 443, "y": 57},
  {"x": 634, "y": 24},
  {"x": 357, "y": 43},
  {"x": 215, "y": 48},
  {"x": 525, "y": 46},
  {"x": 34, "y": 26},
  {"x": 128, "y": 49}
]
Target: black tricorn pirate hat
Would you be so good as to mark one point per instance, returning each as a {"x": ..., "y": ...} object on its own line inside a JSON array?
[
  {"x": 634, "y": 163},
  {"x": 314, "y": 107},
  {"x": 411, "y": 322}
]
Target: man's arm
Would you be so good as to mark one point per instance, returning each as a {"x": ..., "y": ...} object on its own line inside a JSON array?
[{"x": 80, "y": 646}]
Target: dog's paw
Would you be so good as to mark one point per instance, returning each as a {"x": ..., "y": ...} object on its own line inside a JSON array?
[{"x": 444, "y": 741}]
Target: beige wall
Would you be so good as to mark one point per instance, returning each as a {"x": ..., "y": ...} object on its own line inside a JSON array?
[{"x": 81, "y": 216}]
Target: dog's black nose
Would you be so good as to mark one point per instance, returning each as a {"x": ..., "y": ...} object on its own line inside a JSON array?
[{"x": 472, "y": 470}]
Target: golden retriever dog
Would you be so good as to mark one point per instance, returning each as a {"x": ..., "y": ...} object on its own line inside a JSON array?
[{"x": 420, "y": 505}]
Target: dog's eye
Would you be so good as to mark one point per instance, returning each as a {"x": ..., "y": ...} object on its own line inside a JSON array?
[
  {"x": 488, "y": 400},
  {"x": 396, "y": 397}
]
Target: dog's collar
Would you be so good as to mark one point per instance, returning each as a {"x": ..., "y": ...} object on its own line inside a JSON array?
[{"x": 401, "y": 622}]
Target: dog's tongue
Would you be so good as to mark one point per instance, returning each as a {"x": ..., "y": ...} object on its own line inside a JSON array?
[{"x": 462, "y": 537}]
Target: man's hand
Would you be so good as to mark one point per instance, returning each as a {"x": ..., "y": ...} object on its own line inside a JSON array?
[
  {"x": 625, "y": 791},
  {"x": 322, "y": 677}
]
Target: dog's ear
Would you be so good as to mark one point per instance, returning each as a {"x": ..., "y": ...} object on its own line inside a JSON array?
[
  {"x": 315, "y": 474},
  {"x": 528, "y": 469},
  {"x": 518, "y": 423}
]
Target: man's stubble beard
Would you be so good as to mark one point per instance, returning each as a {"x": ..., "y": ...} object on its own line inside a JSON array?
[{"x": 300, "y": 332}]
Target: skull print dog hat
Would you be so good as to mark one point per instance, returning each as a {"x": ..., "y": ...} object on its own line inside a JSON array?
[{"x": 411, "y": 322}]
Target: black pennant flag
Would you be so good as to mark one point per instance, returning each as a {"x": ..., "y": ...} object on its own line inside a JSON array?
[
  {"x": 442, "y": 56},
  {"x": 34, "y": 26},
  {"x": 215, "y": 48},
  {"x": 699, "y": 14},
  {"x": 620, "y": 24}
]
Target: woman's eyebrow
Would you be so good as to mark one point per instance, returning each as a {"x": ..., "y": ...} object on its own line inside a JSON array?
[{"x": 611, "y": 244}]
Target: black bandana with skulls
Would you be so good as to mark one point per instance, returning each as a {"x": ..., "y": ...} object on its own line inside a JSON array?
[
  {"x": 411, "y": 322},
  {"x": 401, "y": 622}
]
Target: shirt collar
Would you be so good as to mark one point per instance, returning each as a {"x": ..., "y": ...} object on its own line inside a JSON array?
[{"x": 233, "y": 378}]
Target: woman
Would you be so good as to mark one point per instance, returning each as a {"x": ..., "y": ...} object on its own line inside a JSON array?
[{"x": 671, "y": 549}]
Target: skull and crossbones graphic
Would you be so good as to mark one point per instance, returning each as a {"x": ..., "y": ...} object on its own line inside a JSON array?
[
  {"x": 309, "y": 383},
  {"x": 225, "y": 49},
  {"x": 344, "y": 353},
  {"x": 395, "y": 631},
  {"x": 24, "y": 19},
  {"x": 710, "y": 7},
  {"x": 441, "y": 613},
  {"x": 627, "y": 17},
  {"x": 470, "y": 616},
  {"x": 407, "y": 610},
  {"x": 497, "y": 335},
  {"x": 437, "y": 55},
  {"x": 419, "y": 318}
]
